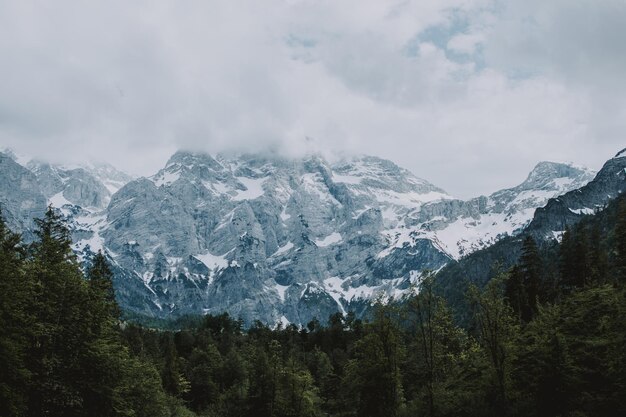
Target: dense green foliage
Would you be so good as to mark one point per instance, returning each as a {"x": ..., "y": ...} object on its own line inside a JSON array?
[
  {"x": 544, "y": 338},
  {"x": 61, "y": 351}
]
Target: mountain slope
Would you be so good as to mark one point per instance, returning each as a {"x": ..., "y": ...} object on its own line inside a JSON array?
[
  {"x": 276, "y": 239},
  {"x": 548, "y": 224},
  {"x": 462, "y": 227},
  {"x": 288, "y": 240},
  {"x": 301, "y": 234}
]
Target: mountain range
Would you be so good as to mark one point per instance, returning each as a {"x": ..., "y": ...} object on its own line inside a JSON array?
[{"x": 285, "y": 240}]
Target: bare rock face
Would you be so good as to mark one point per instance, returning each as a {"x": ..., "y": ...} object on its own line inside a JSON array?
[
  {"x": 152, "y": 219},
  {"x": 88, "y": 187},
  {"x": 261, "y": 237},
  {"x": 274, "y": 239},
  {"x": 567, "y": 209},
  {"x": 21, "y": 198}
]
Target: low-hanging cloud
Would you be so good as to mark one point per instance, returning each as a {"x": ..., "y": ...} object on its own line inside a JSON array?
[{"x": 471, "y": 109}]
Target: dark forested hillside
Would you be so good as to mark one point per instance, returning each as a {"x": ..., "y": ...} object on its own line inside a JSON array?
[{"x": 544, "y": 337}]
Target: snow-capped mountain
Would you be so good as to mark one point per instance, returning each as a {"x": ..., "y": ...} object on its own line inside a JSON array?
[
  {"x": 275, "y": 239},
  {"x": 267, "y": 237},
  {"x": 462, "y": 227},
  {"x": 87, "y": 186},
  {"x": 548, "y": 222},
  {"x": 567, "y": 209}
]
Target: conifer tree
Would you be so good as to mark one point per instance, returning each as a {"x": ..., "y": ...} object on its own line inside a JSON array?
[
  {"x": 100, "y": 280},
  {"x": 597, "y": 257},
  {"x": 78, "y": 365},
  {"x": 63, "y": 320},
  {"x": 620, "y": 243},
  {"x": 574, "y": 254},
  {"x": 530, "y": 272},
  {"x": 173, "y": 379},
  {"x": 515, "y": 292},
  {"x": 15, "y": 323},
  {"x": 202, "y": 371}
]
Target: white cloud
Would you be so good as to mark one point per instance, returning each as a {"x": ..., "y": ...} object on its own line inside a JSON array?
[
  {"x": 132, "y": 82},
  {"x": 575, "y": 41}
]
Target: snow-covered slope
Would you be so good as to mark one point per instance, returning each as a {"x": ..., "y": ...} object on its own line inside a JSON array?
[{"x": 462, "y": 227}]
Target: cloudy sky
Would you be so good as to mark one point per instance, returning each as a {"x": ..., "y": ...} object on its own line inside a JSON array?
[{"x": 468, "y": 94}]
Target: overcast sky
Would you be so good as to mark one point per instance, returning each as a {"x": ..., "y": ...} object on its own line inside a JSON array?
[{"x": 468, "y": 94}]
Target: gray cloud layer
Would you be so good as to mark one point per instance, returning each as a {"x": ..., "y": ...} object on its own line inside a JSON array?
[{"x": 466, "y": 93}]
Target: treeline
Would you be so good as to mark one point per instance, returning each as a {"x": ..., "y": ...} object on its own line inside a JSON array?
[{"x": 545, "y": 338}]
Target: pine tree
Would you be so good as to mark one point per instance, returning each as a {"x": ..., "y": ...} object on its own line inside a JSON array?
[
  {"x": 100, "y": 280},
  {"x": 574, "y": 253},
  {"x": 202, "y": 372},
  {"x": 15, "y": 324},
  {"x": 79, "y": 366},
  {"x": 597, "y": 257},
  {"x": 173, "y": 381},
  {"x": 105, "y": 363},
  {"x": 325, "y": 377},
  {"x": 540, "y": 368},
  {"x": 424, "y": 306},
  {"x": 529, "y": 269},
  {"x": 264, "y": 379},
  {"x": 63, "y": 320},
  {"x": 60, "y": 350},
  {"x": 515, "y": 292},
  {"x": 620, "y": 243},
  {"x": 54, "y": 244}
]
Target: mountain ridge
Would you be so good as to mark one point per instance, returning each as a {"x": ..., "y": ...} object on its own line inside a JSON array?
[
  {"x": 547, "y": 225},
  {"x": 284, "y": 239}
]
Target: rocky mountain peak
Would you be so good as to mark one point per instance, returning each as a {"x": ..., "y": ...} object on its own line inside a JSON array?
[
  {"x": 371, "y": 171},
  {"x": 189, "y": 160},
  {"x": 88, "y": 185},
  {"x": 547, "y": 175}
]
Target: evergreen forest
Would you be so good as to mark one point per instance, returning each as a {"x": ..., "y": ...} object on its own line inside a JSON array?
[{"x": 544, "y": 338}]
